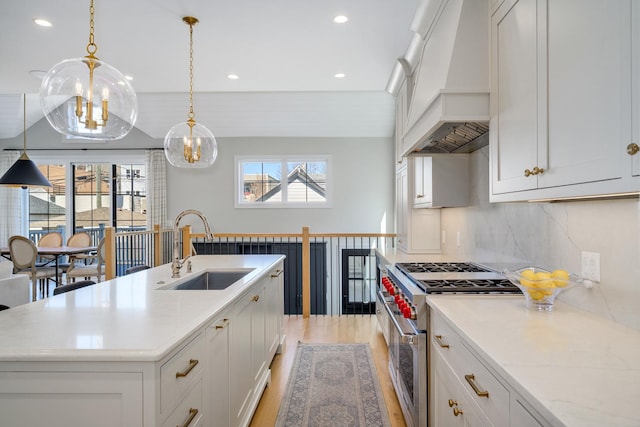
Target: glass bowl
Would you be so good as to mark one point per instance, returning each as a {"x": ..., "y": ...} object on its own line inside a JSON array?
[{"x": 540, "y": 287}]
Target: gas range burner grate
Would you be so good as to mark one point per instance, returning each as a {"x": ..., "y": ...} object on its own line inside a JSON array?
[
  {"x": 471, "y": 286},
  {"x": 440, "y": 267}
]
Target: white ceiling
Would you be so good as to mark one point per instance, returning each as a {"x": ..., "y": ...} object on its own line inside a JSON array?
[{"x": 285, "y": 52}]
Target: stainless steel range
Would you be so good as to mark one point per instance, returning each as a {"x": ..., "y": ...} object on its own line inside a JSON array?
[{"x": 403, "y": 291}]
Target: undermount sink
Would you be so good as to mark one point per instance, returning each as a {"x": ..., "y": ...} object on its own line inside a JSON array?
[{"x": 213, "y": 280}]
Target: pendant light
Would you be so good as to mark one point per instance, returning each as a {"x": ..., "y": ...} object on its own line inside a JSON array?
[
  {"x": 190, "y": 144},
  {"x": 88, "y": 98},
  {"x": 24, "y": 173}
]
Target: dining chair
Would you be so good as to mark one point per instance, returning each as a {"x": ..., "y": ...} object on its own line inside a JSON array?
[
  {"x": 94, "y": 269},
  {"x": 24, "y": 254},
  {"x": 52, "y": 239},
  {"x": 81, "y": 239},
  {"x": 72, "y": 286}
]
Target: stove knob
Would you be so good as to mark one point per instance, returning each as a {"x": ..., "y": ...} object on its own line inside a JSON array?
[
  {"x": 397, "y": 298},
  {"x": 407, "y": 312},
  {"x": 392, "y": 290},
  {"x": 401, "y": 305}
]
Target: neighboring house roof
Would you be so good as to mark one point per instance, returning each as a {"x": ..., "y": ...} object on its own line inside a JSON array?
[
  {"x": 303, "y": 179},
  {"x": 38, "y": 206}
]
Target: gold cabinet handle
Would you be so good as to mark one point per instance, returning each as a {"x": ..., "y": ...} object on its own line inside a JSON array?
[
  {"x": 457, "y": 411},
  {"x": 452, "y": 403},
  {"x": 277, "y": 273},
  {"x": 255, "y": 298},
  {"x": 192, "y": 364},
  {"x": 632, "y": 149},
  {"x": 440, "y": 342},
  {"x": 536, "y": 171},
  {"x": 192, "y": 414},
  {"x": 224, "y": 323},
  {"x": 471, "y": 379}
]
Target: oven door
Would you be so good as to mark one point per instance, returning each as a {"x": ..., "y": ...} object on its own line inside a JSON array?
[{"x": 408, "y": 367}]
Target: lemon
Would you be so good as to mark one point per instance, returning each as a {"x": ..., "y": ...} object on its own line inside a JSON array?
[
  {"x": 561, "y": 277},
  {"x": 528, "y": 274},
  {"x": 526, "y": 278},
  {"x": 535, "y": 294}
]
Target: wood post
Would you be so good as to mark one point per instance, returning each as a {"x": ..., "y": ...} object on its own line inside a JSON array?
[
  {"x": 306, "y": 273},
  {"x": 157, "y": 246}
]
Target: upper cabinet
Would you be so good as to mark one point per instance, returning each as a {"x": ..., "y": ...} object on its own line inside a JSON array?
[
  {"x": 441, "y": 181},
  {"x": 563, "y": 91}
]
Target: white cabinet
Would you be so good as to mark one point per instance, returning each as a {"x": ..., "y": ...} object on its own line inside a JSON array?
[
  {"x": 468, "y": 392},
  {"x": 274, "y": 295},
  {"x": 561, "y": 100},
  {"x": 218, "y": 374},
  {"x": 44, "y": 397},
  {"x": 441, "y": 181},
  {"x": 417, "y": 230}
]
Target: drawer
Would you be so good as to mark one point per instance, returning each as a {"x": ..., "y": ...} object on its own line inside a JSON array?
[
  {"x": 189, "y": 412},
  {"x": 484, "y": 388},
  {"x": 180, "y": 372}
]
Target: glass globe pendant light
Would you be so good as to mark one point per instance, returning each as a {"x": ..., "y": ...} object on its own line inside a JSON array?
[
  {"x": 190, "y": 144},
  {"x": 88, "y": 98}
]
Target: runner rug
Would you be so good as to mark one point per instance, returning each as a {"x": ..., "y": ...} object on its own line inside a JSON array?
[{"x": 333, "y": 385}]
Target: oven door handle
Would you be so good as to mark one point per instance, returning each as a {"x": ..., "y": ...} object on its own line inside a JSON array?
[{"x": 406, "y": 338}]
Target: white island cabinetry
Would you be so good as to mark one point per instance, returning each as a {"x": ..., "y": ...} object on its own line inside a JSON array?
[{"x": 136, "y": 355}]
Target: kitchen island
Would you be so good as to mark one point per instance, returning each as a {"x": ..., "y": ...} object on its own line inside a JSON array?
[
  {"x": 129, "y": 352},
  {"x": 561, "y": 368}
]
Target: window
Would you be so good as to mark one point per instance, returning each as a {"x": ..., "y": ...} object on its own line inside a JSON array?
[
  {"x": 283, "y": 182},
  {"x": 89, "y": 196}
]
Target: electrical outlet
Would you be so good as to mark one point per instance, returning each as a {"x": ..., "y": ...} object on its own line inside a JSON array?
[
  {"x": 591, "y": 266},
  {"x": 458, "y": 239},
  {"x": 444, "y": 237}
]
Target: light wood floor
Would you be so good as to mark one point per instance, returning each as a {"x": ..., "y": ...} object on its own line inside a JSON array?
[{"x": 326, "y": 329}]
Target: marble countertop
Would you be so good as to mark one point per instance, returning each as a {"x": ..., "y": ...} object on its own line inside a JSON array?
[
  {"x": 573, "y": 367},
  {"x": 127, "y": 318}
]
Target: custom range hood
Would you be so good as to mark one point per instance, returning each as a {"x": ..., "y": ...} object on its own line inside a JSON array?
[{"x": 446, "y": 69}]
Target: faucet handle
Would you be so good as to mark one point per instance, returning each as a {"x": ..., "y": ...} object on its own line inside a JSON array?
[{"x": 189, "y": 266}]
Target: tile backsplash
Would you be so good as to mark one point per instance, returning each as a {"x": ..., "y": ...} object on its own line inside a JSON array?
[{"x": 554, "y": 235}]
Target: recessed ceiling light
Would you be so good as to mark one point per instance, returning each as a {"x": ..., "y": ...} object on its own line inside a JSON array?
[
  {"x": 42, "y": 22},
  {"x": 233, "y": 76},
  {"x": 339, "y": 75},
  {"x": 340, "y": 19}
]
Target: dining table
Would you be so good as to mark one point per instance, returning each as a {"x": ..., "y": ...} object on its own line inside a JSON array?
[{"x": 56, "y": 252}]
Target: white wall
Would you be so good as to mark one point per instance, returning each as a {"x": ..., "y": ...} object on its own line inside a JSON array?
[
  {"x": 553, "y": 235},
  {"x": 363, "y": 185}
]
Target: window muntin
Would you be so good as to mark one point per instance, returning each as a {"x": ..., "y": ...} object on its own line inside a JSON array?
[{"x": 283, "y": 182}]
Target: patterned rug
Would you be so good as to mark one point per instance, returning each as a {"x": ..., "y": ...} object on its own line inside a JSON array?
[{"x": 333, "y": 385}]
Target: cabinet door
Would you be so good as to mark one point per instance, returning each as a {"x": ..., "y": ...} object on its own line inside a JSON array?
[
  {"x": 217, "y": 393},
  {"x": 61, "y": 399},
  {"x": 518, "y": 90},
  {"x": 589, "y": 93},
  {"x": 443, "y": 413},
  {"x": 241, "y": 385},
  {"x": 402, "y": 206},
  {"x": 635, "y": 85},
  {"x": 274, "y": 311},
  {"x": 258, "y": 344}
]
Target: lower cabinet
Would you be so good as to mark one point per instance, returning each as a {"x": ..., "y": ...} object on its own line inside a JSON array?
[
  {"x": 218, "y": 374},
  {"x": 466, "y": 392}
]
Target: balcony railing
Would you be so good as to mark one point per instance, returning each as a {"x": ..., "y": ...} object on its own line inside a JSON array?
[{"x": 327, "y": 273}]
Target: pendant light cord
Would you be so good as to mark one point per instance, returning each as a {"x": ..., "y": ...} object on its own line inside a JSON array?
[
  {"x": 92, "y": 48},
  {"x": 191, "y": 113},
  {"x": 24, "y": 120}
]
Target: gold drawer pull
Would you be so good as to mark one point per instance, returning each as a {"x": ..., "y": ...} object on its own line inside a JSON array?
[
  {"x": 440, "y": 342},
  {"x": 452, "y": 403},
  {"x": 192, "y": 364},
  {"x": 277, "y": 273},
  {"x": 224, "y": 323},
  {"x": 471, "y": 379},
  {"x": 536, "y": 170},
  {"x": 255, "y": 298},
  {"x": 192, "y": 414},
  {"x": 632, "y": 149},
  {"x": 457, "y": 411}
]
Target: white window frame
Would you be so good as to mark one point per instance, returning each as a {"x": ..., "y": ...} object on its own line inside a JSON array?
[{"x": 239, "y": 201}]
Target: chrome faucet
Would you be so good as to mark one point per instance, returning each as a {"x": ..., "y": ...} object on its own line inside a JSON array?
[{"x": 177, "y": 263}]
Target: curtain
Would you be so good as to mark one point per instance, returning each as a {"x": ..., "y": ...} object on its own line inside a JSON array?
[
  {"x": 156, "y": 188},
  {"x": 10, "y": 201}
]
